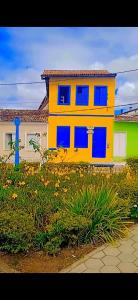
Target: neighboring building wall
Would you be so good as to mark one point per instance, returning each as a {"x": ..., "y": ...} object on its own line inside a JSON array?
[
  {"x": 25, "y": 128},
  {"x": 131, "y": 113},
  {"x": 81, "y": 115},
  {"x": 131, "y": 130}
]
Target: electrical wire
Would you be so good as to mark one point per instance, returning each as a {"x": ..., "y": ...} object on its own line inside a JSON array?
[
  {"x": 96, "y": 108},
  {"x": 42, "y": 82}
]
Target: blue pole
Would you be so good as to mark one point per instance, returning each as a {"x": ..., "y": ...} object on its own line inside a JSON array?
[{"x": 17, "y": 124}]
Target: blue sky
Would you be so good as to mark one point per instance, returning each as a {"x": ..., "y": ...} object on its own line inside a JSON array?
[{"x": 25, "y": 52}]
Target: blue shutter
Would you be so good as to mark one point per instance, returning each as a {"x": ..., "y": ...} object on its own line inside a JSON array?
[
  {"x": 82, "y": 95},
  {"x": 96, "y": 95},
  {"x": 100, "y": 95},
  {"x": 99, "y": 142},
  {"x": 63, "y": 136},
  {"x": 103, "y": 96},
  {"x": 64, "y": 91},
  {"x": 81, "y": 137}
]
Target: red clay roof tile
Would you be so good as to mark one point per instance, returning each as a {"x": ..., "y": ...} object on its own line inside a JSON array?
[
  {"x": 25, "y": 115},
  {"x": 49, "y": 73},
  {"x": 126, "y": 118}
]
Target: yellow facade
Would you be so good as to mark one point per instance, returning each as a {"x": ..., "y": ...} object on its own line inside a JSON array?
[{"x": 75, "y": 115}]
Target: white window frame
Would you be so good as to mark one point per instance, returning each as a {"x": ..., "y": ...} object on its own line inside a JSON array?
[
  {"x": 32, "y": 132},
  {"x": 4, "y": 140}
]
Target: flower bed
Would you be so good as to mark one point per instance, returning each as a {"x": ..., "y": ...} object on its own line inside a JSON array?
[{"x": 63, "y": 205}]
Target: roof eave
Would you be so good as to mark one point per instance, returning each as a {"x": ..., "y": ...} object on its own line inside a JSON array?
[{"x": 43, "y": 76}]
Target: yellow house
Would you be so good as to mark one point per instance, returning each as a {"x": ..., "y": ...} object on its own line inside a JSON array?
[{"x": 81, "y": 113}]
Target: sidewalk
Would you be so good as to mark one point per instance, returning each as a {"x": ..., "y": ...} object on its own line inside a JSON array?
[{"x": 121, "y": 258}]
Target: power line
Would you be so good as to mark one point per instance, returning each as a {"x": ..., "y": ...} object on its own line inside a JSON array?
[
  {"x": 17, "y": 83},
  {"x": 96, "y": 108},
  {"x": 38, "y": 102},
  {"x": 43, "y": 82},
  {"x": 127, "y": 71}
]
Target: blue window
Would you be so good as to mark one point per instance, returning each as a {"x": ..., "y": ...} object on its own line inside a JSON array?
[
  {"x": 63, "y": 94},
  {"x": 100, "y": 95},
  {"x": 63, "y": 136},
  {"x": 81, "y": 137},
  {"x": 82, "y": 95},
  {"x": 99, "y": 142}
]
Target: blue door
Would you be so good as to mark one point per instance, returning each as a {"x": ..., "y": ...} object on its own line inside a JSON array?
[{"x": 99, "y": 142}]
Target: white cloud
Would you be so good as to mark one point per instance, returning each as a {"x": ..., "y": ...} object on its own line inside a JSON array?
[
  {"x": 97, "y": 66},
  {"x": 114, "y": 49}
]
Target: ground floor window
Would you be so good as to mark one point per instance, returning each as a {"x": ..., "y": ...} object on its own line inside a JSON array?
[
  {"x": 9, "y": 139},
  {"x": 32, "y": 136},
  {"x": 63, "y": 136},
  {"x": 80, "y": 137}
]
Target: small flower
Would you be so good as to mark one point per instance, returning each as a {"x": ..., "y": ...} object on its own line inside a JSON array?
[
  {"x": 5, "y": 186},
  {"x": 57, "y": 184},
  {"x": 9, "y": 181},
  {"x": 108, "y": 176},
  {"x": 65, "y": 190},
  {"x": 46, "y": 183},
  {"x": 81, "y": 175},
  {"x": 135, "y": 205},
  {"x": 14, "y": 196},
  {"x": 21, "y": 183},
  {"x": 56, "y": 194}
]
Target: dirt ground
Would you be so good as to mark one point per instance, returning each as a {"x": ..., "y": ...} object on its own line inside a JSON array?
[{"x": 39, "y": 262}]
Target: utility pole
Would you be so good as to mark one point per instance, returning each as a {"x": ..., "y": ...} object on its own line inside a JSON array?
[{"x": 17, "y": 122}]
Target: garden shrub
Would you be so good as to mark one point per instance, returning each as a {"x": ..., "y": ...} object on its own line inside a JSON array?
[
  {"x": 52, "y": 247},
  {"x": 134, "y": 212},
  {"x": 40, "y": 240},
  {"x": 63, "y": 205},
  {"x": 133, "y": 163},
  {"x": 106, "y": 211},
  {"x": 129, "y": 190},
  {"x": 16, "y": 231}
]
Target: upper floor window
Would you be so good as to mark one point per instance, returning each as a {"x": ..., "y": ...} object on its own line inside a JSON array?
[
  {"x": 63, "y": 94},
  {"x": 100, "y": 95},
  {"x": 82, "y": 95}
]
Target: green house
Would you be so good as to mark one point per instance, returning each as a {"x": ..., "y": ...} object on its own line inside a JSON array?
[{"x": 125, "y": 137}]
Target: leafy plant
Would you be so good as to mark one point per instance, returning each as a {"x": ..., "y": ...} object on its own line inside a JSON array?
[
  {"x": 40, "y": 240},
  {"x": 134, "y": 212},
  {"x": 53, "y": 246},
  {"x": 133, "y": 164},
  {"x": 16, "y": 230}
]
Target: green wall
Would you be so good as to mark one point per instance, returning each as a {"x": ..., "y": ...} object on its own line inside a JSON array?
[{"x": 131, "y": 128}]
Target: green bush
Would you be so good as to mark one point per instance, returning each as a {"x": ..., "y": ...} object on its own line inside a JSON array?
[
  {"x": 134, "y": 212},
  {"x": 91, "y": 216},
  {"x": 128, "y": 190},
  {"x": 53, "y": 246},
  {"x": 40, "y": 240},
  {"x": 133, "y": 163},
  {"x": 16, "y": 231}
]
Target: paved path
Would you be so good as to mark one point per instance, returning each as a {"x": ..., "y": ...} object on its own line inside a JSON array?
[{"x": 121, "y": 258}]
